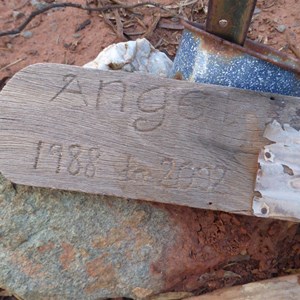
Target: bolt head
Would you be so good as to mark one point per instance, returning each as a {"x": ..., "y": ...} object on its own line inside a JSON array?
[{"x": 223, "y": 23}]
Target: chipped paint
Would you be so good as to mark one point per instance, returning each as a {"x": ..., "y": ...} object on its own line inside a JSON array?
[
  {"x": 206, "y": 58},
  {"x": 278, "y": 178}
]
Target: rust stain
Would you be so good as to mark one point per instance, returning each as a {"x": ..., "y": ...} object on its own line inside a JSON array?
[
  {"x": 187, "y": 251},
  {"x": 106, "y": 281},
  {"x": 136, "y": 218},
  {"x": 178, "y": 76},
  {"x": 237, "y": 15},
  {"x": 103, "y": 272},
  {"x": 83, "y": 252},
  {"x": 204, "y": 239},
  {"x": 67, "y": 256},
  {"x": 27, "y": 266},
  {"x": 140, "y": 242},
  {"x": 155, "y": 269},
  {"x": 218, "y": 47},
  {"x": 96, "y": 266},
  {"x": 141, "y": 293},
  {"x": 31, "y": 269},
  {"x": 114, "y": 238},
  {"x": 46, "y": 247},
  {"x": 215, "y": 44},
  {"x": 99, "y": 242},
  {"x": 140, "y": 238}
]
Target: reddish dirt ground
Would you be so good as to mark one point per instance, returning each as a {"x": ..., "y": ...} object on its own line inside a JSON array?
[{"x": 53, "y": 37}]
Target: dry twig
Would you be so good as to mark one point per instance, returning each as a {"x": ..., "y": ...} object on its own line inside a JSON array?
[
  {"x": 119, "y": 25},
  {"x": 78, "y": 6},
  {"x": 22, "y": 5},
  {"x": 153, "y": 26},
  {"x": 170, "y": 25},
  {"x": 294, "y": 48},
  {"x": 12, "y": 64}
]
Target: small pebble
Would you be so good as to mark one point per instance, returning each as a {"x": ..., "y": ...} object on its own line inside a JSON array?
[
  {"x": 281, "y": 28},
  {"x": 17, "y": 14},
  {"x": 32, "y": 52},
  {"x": 27, "y": 34},
  {"x": 38, "y": 4},
  {"x": 76, "y": 35},
  {"x": 257, "y": 11}
]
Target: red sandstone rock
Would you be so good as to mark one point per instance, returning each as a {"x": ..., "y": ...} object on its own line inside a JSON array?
[{"x": 63, "y": 245}]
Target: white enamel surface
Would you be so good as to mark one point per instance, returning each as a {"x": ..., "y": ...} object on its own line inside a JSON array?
[{"x": 278, "y": 178}]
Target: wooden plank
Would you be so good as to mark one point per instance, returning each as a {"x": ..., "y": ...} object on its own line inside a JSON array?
[
  {"x": 286, "y": 287},
  {"x": 136, "y": 136}
]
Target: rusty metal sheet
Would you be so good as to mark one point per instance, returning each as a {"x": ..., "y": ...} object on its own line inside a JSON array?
[{"x": 230, "y": 19}]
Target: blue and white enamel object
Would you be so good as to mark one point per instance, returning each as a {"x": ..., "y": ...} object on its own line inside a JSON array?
[{"x": 206, "y": 58}]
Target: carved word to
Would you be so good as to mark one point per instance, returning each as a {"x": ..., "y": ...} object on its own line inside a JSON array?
[
  {"x": 78, "y": 160},
  {"x": 174, "y": 174}
]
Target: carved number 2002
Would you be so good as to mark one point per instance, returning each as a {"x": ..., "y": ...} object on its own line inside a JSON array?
[{"x": 75, "y": 164}]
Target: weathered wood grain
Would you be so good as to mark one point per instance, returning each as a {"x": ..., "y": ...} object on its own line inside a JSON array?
[
  {"x": 281, "y": 288},
  {"x": 136, "y": 136}
]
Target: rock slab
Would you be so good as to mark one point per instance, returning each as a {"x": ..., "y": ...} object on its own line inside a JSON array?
[{"x": 69, "y": 245}]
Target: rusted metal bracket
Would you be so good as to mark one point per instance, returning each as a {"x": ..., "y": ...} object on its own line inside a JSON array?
[
  {"x": 207, "y": 58},
  {"x": 230, "y": 19}
]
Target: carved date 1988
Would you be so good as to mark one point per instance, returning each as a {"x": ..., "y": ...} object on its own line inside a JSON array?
[
  {"x": 165, "y": 172},
  {"x": 78, "y": 160}
]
